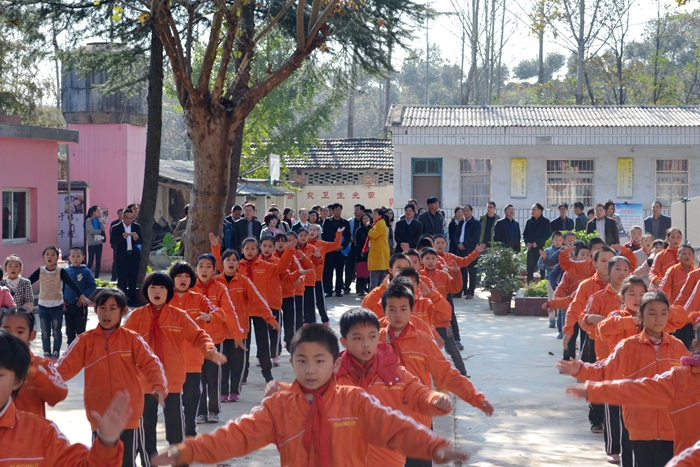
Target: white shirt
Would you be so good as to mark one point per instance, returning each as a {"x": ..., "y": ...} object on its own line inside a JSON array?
[
  {"x": 600, "y": 227},
  {"x": 127, "y": 229}
]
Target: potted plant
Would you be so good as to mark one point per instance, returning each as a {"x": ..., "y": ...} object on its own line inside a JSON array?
[
  {"x": 101, "y": 285},
  {"x": 530, "y": 304},
  {"x": 499, "y": 271}
]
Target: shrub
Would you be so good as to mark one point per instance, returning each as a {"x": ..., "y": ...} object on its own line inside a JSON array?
[
  {"x": 498, "y": 268},
  {"x": 537, "y": 290}
]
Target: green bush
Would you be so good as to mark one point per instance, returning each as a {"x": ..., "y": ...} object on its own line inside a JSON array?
[
  {"x": 537, "y": 290},
  {"x": 499, "y": 268},
  {"x": 170, "y": 246},
  {"x": 580, "y": 235},
  {"x": 102, "y": 284}
]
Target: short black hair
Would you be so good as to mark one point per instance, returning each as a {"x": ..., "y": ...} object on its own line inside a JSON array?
[
  {"x": 106, "y": 294},
  {"x": 395, "y": 257},
  {"x": 77, "y": 248},
  {"x": 161, "y": 279},
  {"x": 404, "y": 282},
  {"x": 436, "y": 236},
  {"x": 590, "y": 211},
  {"x": 578, "y": 204},
  {"x": 557, "y": 233},
  {"x": 397, "y": 291},
  {"x": 50, "y": 247},
  {"x": 595, "y": 241},
  {"x": 580, "y": 245},
  {"x": 269, "y": 216},
  {"x": 14, "y": 355},
  {"x": 361, "y": 206},
  {"x": 410, "y": 206},
  {"x": 236, "y": 207},
  {"x": 432, "y": 200},
  {"x": 428, "y": 251},
  {"x": 208, "y": 257},
  {"x": 16, "y": 311},
  {"x": 608, "y": 204},
  {"x": 649, "y": 297},
  {"x": 425, "y": 242},
  {"x": 409, "y": 273},
  {"x": 281, "y": 237},
  {"x": 319, "y": 334},
  {"x": 183, "y": 267},
  {"x": 687, "y": 245},
  {"x": 563, "y": 205},
  {"x": 411, "y": 252},
  {"x": 128, "y": 211},
  {"x": 601, "y": 250},
  {"x": 357, "y": 316},
  {"x": 230, "y": 252}
]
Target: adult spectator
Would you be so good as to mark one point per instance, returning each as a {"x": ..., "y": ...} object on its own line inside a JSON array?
[
  {"x": 507, "y": 230},
  {"x": 606, "y": 227},
  {"x": 488, "y": 223},
  {"x": 325, "y": 213},
  {"x": 408, "y": 230},
  {"x": 457, "y": 217},
  {"x": 432, "y": 220},
  {"x": 271, "y": 226},
  {"x": 355, "y": 223},
  {"x": 377, "y": 244},
  {"x": 610, "y": 212},
  {"x": 125, "y": 238},
  {"x": 288, "y": 216},
  {"x": 236, "y": 213},
  {"x": 282, "y": 227},
  {"x": 135, "y": 209},
  {"x": 115, "y": 273},
  {"x": 466, "y": 238},
  {"x": 537, "y": 231},
  {"x": 390, "y": 228},
  {"x": 581, "y": 218},
  {"x": 95, "y": 231},
  {"x": 657, "y": 224},
  {"x": 303, "y": 220},
  {"x": 562, "y": 223},
  {"x": 591, "y": 215},
  {"x": 335, "y": 260},
  {"x": 246, "y": 227}
]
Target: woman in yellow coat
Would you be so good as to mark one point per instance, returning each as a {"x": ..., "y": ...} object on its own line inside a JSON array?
[{"x": 378, "y": 245}]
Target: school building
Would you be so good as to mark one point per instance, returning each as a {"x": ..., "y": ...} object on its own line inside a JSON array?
[{"x": 547, "y": 154}]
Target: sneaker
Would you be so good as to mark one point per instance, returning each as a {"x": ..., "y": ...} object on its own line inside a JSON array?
[
  {"x": 201, "y": 419},
  {"x": 560, "y": 336},
  {"x": 47, "y": 354},
  {"x": 468, "y": 297},
  {"x": 326, "y": 323},
  {"x": 257, "y": 362},
  {"x": 54, "y": 355},
  {"x": 360, "y": 294},
  {"x": 329, "y": 295},
  {"x": 244, "y": 382},
  {"x": 224, "y": 398},
  {"x": 597, "y": 429},
  {"x": 339, "y": 294},
  {"x": 276, "y": 361},
  {"x": 347, "y": 291},
  {"x": 552, "y": 323},
  {"x": 233, "y": 398},
  {"x": 213, "y": 418},
  {"x": 459, "y": 345},
  {"x": 613, "y": 459}
]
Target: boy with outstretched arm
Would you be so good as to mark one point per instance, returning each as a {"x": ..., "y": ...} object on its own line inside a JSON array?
[{"x": 315, "y": 423}]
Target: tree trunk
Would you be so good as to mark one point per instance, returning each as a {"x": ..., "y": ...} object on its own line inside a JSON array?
[
  {"x": 351, "y": 111},
  {"x": 581, "y": 52},
  {"x": 474, "y": 44},
  {"x": 236, "y": 156},
  {"x": 387, "y": 97},
  {"x": 149, "y": 194}
]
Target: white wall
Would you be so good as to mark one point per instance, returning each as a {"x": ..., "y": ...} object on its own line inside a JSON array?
[
  {"x": 370, "y": 196},
  {"x": 605, "y": 169}
]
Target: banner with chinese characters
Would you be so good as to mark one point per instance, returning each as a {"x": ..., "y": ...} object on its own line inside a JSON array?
[
  {"x": 347, "y": 195},
  {"x": 631, "y": 214},
  {"x": 625, "y": 177},
  {"x": 518, "y": 177},
  {"x": 76, "y": 204}
]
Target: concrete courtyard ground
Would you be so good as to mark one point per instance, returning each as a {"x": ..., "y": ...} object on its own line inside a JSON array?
[{"x": 511, "y": 359}]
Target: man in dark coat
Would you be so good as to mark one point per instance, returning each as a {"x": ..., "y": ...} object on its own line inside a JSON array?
[
  {"x": 408, "y": 230},
  {"x": 507, "y": 230},
  {"x": 657, "y": 224},
  {"x": 606, "y": 227}
]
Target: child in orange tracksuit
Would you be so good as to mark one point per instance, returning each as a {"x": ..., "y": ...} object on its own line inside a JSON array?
[
  {"x": 624, "y": 323},
  {"x": 293, "y": 278},
  {"x": 208, "y": 317},
  {"x": 114, "y": 358},
  {"x": 164, "y": 328},
  {"x": 674, "y": 280},
  {"x": 650, "y": 353},
  {"x": 30, "y": 440},
  {"x": 301, "y": 261},
  {"x": 324, "y": 248},
  {"x": 43, "y": 384},
  {"x": 667, "y": 257},
  {"x": 373, "y": 366},
  {"x": 314, "y": 254},
  {"x": 250, "y": 302},
  {"x": 316, "y": 423}
]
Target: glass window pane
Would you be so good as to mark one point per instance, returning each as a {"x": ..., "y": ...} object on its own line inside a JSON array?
[
  {"x": 6, "y": 214},
  {"x": 671, "y": 180},
  {"x": 569, "y": 181},
  {"x": 19, "y": 215},
  {"x": 475, "y": 186}
]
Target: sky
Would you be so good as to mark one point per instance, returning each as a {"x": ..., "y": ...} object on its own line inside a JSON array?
[{"x": 445, "y": 30}]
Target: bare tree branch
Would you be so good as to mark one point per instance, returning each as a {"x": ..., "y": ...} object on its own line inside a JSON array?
[
  {"x": 317, "y": 26},
  {"x": 223, "y": 66},
  {"x": 301, "y": 42},
  {"x": 211, "y": 52},
  {"x": 273, "y": 21}
]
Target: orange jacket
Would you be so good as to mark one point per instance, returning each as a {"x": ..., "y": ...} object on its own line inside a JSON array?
[
  {"x": 218, "y": 296},
  {"x": 585, "y": 289},
  {"x": 422, "y": 358},
  {"x": 263, "y": 273},
  {"x": 619, "y": 325},
  {"x": 688, "y": 288},
  {"x": 274, "y": 292},
  {"x": 395, "y": 388},
  {"x": 462, "y": 261},
  {"x": 688, "y": 458},
  {"x": 674, "y": 280},
  {"x": 111, "y": 366},
  {"x": 43, "y": 385},
  {"x": 309, "y": 251},
  {"x": 443, "y": 281},
  {"x": 677, "y": 391},
  {"x": 586, "y": 268},
  {"x": 176, "y": 327},
  {"x": 433, "y": 309},
  {"x": 247, "y": 298},
  {"x": 356, "y": 421},
  {"x": 194, "y": 304},
  {"x": 662, "y": 262},
  {"x": 418, "y": 323},
  {"x": 564, "y": 293},
  {"x": 303, "y": 262},
  {"x": 289, "y": 279},
  {"x": 30, "y": 440},
  {"x": 601, "y": 303},
  {"x": 634, "y": 358},
  {"x": 325, "y": 248}
]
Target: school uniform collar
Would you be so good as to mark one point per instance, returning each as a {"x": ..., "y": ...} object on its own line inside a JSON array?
[
  {"x": 407, "y": 332},
  {"x": 645, "y": 339},
  {"x": 297, "y": 389},
  {"x": 8, "y": 414}
]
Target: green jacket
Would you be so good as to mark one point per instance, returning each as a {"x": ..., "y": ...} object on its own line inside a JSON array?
[{"x": 482, "y": 219}]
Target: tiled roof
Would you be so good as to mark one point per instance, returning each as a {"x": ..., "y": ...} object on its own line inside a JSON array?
[
  {"x": 352, "y": 153},
  {"x": 183, "y": 172},
  {"x": 542, "y": 116}
]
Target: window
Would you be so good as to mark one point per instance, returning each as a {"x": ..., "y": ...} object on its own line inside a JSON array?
[
  {"x": 475, "y": 182},
  {"x": 15, "y": 216},
  {"x": 569, "y": 181},
  {"x": 427, "y": 166},
  {"x": 671, "y": 180}
]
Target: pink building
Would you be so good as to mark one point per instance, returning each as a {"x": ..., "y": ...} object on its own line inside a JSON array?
[{"x": 29, "y": 183}]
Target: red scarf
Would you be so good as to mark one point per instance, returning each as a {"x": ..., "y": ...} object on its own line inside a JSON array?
[
  {"x": 396, "y": 342},
  {"x": 205, "y": 288},
  {"x": 155, "y": 332},
  {"x": 365, "y": 248},
  {"x": 317, "y": 425},
  {"x": 249, "y": 268},
  {"x": 364, "y": 374}
]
